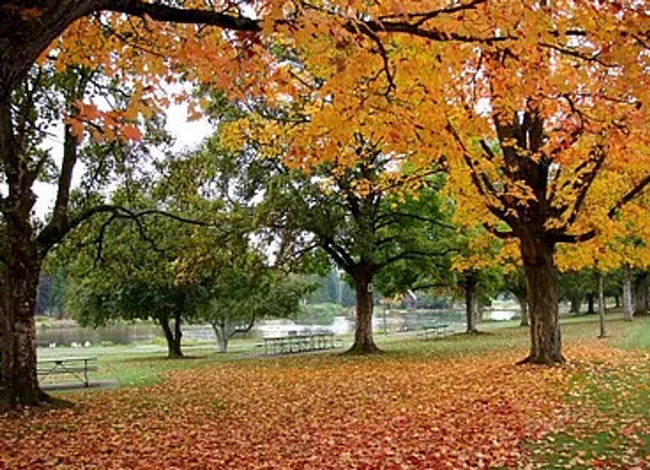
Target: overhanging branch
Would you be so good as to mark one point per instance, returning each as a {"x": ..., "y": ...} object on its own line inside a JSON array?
[
  {"x": 166, "y": 13},
  {"x": 54, "y": 233}
]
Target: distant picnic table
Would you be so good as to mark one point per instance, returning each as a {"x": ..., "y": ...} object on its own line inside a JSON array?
[
  {"x": 431, "y": 331},
  {"x": 299, "y": 343},
  {"x": 77, "y": 367}
]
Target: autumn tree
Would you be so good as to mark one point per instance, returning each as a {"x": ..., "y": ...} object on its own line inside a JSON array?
[
  {"x": 36, "y": 104},
  {"x": 353, "y": 213},
  {"x": 548, "y": 84},
  {"x": 27, "y": 32},
  {"x": 563, "y": 121}
]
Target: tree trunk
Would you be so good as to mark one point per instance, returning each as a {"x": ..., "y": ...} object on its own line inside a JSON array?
[
  {"x": 640, "y": 294},
  {"x": 591, "y": 303},
  {"x": 363, "y": 338},
  {"x": 222, "y": 336},
  {"x": 541, "y": 286},
  {"x": 19, "y": 286},
  {"x": 20, "y": 274},
  {"x": 471, "y": 301},
  {"x": 601, "y": 304},
  {"x": 173, "y": 337},
  {"x": 617, "y": 301},
  {"x": 523, "y": 306},
  {"x": 178, "y": 334},
  {"x": 627, "y": 292},
  {"x": 575, "y": 301}
]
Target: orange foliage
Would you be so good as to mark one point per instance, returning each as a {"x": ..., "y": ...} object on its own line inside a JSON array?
[
  {"x": 313, "y": 412},
  {"x": 346, "y": 69},
  {"x": 319, "y": 412}
]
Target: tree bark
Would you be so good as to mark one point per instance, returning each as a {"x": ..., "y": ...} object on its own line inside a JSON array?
[
  {"x": 591, "y": 303},
  {"x": 523, "y": 306},
  {"x": 575, "y": 301},
  {"x": 173, "y": 337},
  {"x": 541, "y": 284},
  {"x": 19, "y": 278},
  {"x": 222, "y": 336},
  {"x": 19, "y": 290},
  {"x": 601, "y": 304},
  {"x": 640, "y": 293},
  {"x": 364, "y": 342},
  {"x": 627, "y": 293},
  {"x": 471, "y": 301}
]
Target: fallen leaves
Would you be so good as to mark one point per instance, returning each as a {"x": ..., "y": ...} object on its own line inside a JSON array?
[{"x": 319, "y": 412}]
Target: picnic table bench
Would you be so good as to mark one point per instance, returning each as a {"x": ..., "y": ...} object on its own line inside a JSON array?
[
  {"x": 429, "y": 331},
  {"x": 299, "y": 343},
  {"x": 77, "y": 367}
]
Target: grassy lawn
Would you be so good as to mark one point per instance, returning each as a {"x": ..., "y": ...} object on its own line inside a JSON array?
[
  {"x": 454, "y": 402},
  {"x": 610, "y": 399}
]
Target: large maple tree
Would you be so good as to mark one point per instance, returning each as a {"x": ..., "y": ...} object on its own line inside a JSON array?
[
  {"x": 551, "y": 141},
  {"x": 150, "y": 42}
]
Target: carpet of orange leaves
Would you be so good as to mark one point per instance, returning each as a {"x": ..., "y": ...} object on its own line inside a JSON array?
[{"x": 318, "y": 412}]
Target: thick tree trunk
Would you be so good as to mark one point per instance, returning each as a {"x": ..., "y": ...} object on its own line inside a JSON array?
[
  {"x": 541, "y": 284},
  {"x": 601, "y": 304},
  {"x": 173, "y": 337},
  {"x": 364, "y": 342},
  {"x": 591, "y": 303},
  {"x": 640, "y": 294},
  {"x": 19, "y": 278},
  {"x": 627, "y": 292},
  {"x": 523, "y": 307},
  {"x": 19, "y": 290},
  {"x": 575, "y": 302},
  {"x": 471, "y": 301}
]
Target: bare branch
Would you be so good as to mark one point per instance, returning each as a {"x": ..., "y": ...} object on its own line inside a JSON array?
[
  {"x": 415, "y": 254},
  {"x": 568, "y": 238},
  {"x": 54, "y": 233},
  {"x": 165, "y": 13}
]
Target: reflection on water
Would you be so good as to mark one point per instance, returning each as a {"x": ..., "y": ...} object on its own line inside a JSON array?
[
  {"x": 67, "y": 334},
  {"x": 500, "y": 315},
  {"x": 116, "y": 334}
]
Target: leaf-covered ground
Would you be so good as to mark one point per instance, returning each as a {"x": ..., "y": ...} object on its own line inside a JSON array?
[{"x": 395, "y": 411}]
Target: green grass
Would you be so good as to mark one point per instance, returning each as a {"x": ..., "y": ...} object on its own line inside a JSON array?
[
  {"x": 146, "y": 369},
  {"x": 136, "y": 369},
  {"x": 614, "y": 400}
]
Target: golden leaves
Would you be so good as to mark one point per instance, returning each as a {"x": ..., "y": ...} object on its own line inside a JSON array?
[{"x": 302, "y": 413}]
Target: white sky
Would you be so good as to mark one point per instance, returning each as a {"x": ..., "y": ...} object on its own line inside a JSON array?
[{"x": 187, "y": 135}]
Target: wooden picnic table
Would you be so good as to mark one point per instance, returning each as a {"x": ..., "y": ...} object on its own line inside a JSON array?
[
  {"x": 77, "y": 367},
  {"x": 434, "y": 330},
  {"x": 298, "y": 343}
]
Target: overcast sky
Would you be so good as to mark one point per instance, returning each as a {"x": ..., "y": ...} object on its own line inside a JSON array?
[{"x": 186, "y": 134}]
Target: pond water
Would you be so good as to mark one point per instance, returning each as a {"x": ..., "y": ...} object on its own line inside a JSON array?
[
  {"x": 68, "y": 334},
  {"x": 115, "y": 334}
]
